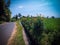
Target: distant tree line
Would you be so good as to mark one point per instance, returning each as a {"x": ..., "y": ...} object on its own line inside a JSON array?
[
  {"x": 16, "y": 17},
  {"x": 19, "y": 16}
]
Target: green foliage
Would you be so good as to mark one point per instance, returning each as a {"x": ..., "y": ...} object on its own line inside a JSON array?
[
  {"x": 34, "y": 27},
  {"x": 51, "y": 29},
  {"x": 5, "y": 13},
  {"x": 46, "y": 31}
]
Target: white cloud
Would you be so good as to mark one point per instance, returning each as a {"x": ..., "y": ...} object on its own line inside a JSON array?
[{"x": 20, "y": 7}]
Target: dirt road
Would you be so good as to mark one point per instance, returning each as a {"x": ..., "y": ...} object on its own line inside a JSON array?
[{"x": 5, "y": 32}]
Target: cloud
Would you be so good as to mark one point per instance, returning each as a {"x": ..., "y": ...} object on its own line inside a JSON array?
[
  {"x": 20, "y": 7},
  {"x": 45, "y": 4}
]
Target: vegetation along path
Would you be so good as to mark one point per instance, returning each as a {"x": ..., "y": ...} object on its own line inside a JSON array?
[{"x": 25, "y": 36}]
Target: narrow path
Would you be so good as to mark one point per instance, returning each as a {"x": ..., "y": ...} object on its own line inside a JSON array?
[
  {"x": 5, "y": 32},
  {"x": 25, "y": 36},
  {"x": 10, "y": 41}
]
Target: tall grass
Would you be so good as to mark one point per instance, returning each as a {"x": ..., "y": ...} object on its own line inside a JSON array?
[{"x": 50, "y": 33}]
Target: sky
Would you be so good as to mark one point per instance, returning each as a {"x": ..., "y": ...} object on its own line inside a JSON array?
[{"x": 36, "y": 7}]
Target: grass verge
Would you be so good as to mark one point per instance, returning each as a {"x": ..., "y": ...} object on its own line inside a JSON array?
[
  {"x": 1, "y": 22},
  {"x": 18, "y": 38}
]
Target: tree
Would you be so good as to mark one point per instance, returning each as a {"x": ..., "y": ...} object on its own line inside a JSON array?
[
  {"x": 8, "y": 12},
  {"x": 5, "y": 12},
  {"x": 19, "y": 15},
  {"x": 53, "y": 17},
  {"x": 8, "y": 3},
  {"x": 16, "y": 17},
  {"x": 47, "y": 16},
  {"x": 2, "y": 10}
]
